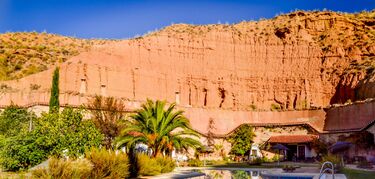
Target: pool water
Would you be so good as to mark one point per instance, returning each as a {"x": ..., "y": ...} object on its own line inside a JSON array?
[{"x": 242, "y": 174}]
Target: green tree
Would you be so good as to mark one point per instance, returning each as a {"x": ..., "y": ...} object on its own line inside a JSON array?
[
  {"x": 241, "y": 139},
  {"x": 66, "y": 133},
  {"x": 54, "y": 104},
  {"x": 107, "y": 112},
  {"x": 56, "y": 134},
  {"x": 21, "y": 152},
  {"x": 14, "y": 119},
  {"x": 162, "y": 129}
]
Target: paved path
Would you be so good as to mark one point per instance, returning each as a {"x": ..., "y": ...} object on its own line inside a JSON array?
[
  {"x": 177, "y": 175},
  {"x": 354, "y": 167}
]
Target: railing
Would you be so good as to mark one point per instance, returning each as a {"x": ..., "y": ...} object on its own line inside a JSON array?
[{"x": 323, "y": 170}]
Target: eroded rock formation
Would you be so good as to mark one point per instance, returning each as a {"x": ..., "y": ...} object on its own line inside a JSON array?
[{"x": 295, "y": 61}]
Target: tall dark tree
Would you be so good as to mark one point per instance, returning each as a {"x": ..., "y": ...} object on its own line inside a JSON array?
[{"x": 54, "y": 103}]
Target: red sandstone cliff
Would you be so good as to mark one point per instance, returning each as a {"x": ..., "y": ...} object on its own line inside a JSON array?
[{"x": 294, "y": 61}]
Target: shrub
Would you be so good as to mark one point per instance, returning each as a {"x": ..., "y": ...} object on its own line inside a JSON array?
[
  {"x": 256, "y": 161},
  {"x": 275, "y": 107},
  {"x": 99, "y": 163},
  {"x": 241, "y": 139},
  {"x": 108, "y": 164},
  {"x": 275, "y": 157},
  {"x": 65, "y": 169},
  {"x": 21, "y": 152},
  {"x": 13, "y": 119},
  {"x": 148, "y": 166},
  {"x": 167, "y": 164},
  {"x": 40, "y": 173},
  {"x": 195, "y": 163},
  {"x": 153, "y": 166},
  {"x": 66, "y": 131},
  {"x": 336, "y": 161},
  {"x": 107, "y": 113},
  {"x": 52, "y": 135},
  {"x": 266, "y": 160},
  {"x": 319, "y": 147},
  {"x": 253, "y": 107}
]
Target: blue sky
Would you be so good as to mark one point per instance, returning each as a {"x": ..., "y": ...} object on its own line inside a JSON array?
[{"x": 125, "y": 19}]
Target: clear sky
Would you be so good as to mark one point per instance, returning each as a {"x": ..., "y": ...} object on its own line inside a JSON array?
[{"x": 127, "y": 18}]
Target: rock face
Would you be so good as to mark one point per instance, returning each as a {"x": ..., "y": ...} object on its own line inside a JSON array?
[{"x": 294, "y": 61}]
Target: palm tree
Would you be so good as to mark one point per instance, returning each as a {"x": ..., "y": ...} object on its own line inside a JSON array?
[{"x": 163, "y": 130}]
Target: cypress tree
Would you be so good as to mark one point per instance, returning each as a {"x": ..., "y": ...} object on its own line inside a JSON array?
[{"x": 54, "y": 103}]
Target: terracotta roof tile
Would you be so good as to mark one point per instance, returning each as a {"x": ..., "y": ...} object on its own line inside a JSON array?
[{"x": 284, "y": 139}]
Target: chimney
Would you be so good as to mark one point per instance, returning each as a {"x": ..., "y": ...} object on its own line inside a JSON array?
[
  {"x": 103, "y": 90},
  {"x": 83, "y": 87},
  {"x": 177, "y": 97}
]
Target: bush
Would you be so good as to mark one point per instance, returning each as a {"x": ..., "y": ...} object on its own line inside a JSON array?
[
  {"x": 195, "y": 163},
  {"x": 107, "y": 113},
  {"x": 167, "y": 164},
  {"x": 52, "y": 135},
  {"x": 153, "y": 166},
  {"x": 148, "y": 166},
  {"x": 14, "y": 119},
  {"x": 66, "y": 131},
  {"x": 108, "y": 164},
  {"x": 97, "y": 164},
  {"x": 275, "y": 158},
  {"x": 275, "y": 107},
  {"x": 241, "y": 139},
  {"x": 21, "y": 152},
  {"x": 319, "y": 146},
  {"x": 256, "y": 161},
  {"x": 65, "y": 169},
  {"x": 336, "y": 161},
  {"x": 267, "y": 160}
]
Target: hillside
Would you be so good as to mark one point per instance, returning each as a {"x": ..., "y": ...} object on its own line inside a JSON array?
[
  {"x": 23, "y": 53},
  {"x": 300, "y": 60}
]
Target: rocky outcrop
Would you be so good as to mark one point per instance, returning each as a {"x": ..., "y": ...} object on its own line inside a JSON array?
[{"x": 301, "y": 60}]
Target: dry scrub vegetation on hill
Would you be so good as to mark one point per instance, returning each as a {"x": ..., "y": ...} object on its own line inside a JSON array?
[{"x": 24, "y": 53}]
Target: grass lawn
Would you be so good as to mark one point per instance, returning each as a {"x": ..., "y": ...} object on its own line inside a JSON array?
[{"x": 358, "y": 174}]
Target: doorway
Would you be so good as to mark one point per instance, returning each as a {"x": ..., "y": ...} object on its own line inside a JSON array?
[
  {"x": 291, "y": 152},
  {"x": 301, "y": 152}
]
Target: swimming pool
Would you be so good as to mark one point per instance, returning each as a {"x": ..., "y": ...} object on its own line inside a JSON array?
[{"x": 245, "y": 174}]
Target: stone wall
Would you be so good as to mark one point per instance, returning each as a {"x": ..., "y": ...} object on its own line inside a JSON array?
[{"x": 350, "y": 117}]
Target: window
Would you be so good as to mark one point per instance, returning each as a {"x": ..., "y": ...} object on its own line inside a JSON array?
[{"x": 254, "y": 153}]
